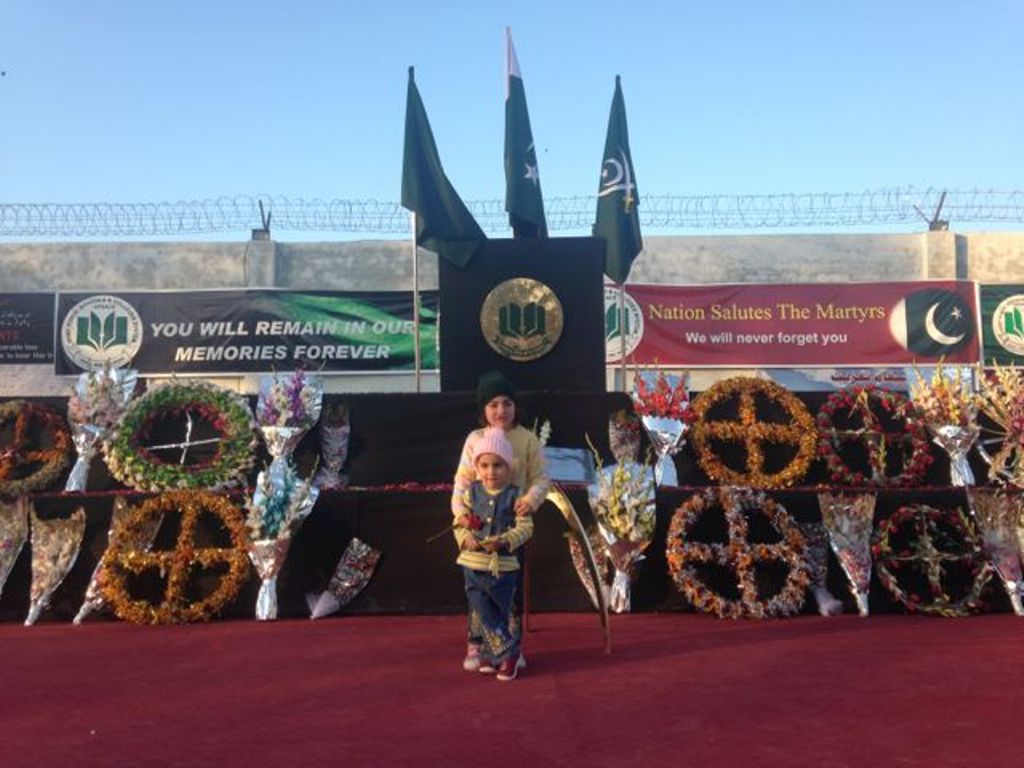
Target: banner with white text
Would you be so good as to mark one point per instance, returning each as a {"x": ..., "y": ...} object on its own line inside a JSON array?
[
  {"x": 788, "y": 325},
  {"x": 244, "y": 331},
  {"x": 26, "y": 328}
]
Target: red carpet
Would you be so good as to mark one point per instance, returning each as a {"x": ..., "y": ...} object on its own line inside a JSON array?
[{"x": 679, "y": 689}]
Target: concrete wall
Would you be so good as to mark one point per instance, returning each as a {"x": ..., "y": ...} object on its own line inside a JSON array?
[{"x": 383, "y": 265}]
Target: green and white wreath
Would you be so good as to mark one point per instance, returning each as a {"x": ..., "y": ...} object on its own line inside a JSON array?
[{"x": 213, "y": 443}]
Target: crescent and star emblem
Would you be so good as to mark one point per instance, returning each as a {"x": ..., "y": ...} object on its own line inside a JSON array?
[
  {"x": 616, "y": 176},
  {"x": 531, "y": 174},
  {"x": 933, "y": 331}
]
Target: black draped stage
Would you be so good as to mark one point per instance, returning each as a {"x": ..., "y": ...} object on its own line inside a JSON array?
[{"x": 402, "y": 447}]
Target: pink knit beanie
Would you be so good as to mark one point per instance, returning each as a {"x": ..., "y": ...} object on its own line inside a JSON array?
[{"x": 493, "y": 441}]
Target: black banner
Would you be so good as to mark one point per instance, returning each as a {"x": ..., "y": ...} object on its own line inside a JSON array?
[
  {"x": 26, "y": 328},
  {"x": 244, "y": 331}
]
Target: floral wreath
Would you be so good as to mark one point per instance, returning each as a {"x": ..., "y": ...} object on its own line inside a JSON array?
[
  {"x": 738, "y": 555},
  {"x": 750, "y": 431},
  {"x": 939, "y": 537},
  {"x": 859, "y": 400},
  {"x": 1001, "y": 399},
  {"x": 30, "y": 421},
  {"x": 135, "y": 465},
  {"x": 123, "y": 558}
]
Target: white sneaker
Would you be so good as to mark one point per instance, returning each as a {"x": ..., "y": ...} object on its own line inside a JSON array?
[{"x": 472, "y": 661}]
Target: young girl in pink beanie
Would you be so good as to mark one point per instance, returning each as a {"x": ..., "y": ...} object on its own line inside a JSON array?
[
  {"x": 488, "y": 533},
  {"x": 496, "y": 399}
]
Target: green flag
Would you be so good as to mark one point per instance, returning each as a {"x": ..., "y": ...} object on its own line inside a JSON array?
[
  {"x": 443, "y": 223},
  {"x": 523, "y": 199},
  {"x": 618, "y": 220}
]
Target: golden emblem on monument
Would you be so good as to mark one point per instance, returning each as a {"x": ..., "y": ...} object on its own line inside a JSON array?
[{"x": 522, "y": 319}]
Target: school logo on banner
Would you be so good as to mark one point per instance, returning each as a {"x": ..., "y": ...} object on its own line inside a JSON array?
[
  {"x": 933, "y": 322},
  {"x": 522, "y": 319},
  {"x": 101, "y": 330},
  {"x": 1008, "y": 324},
  {"x": 632, "y": 324}
]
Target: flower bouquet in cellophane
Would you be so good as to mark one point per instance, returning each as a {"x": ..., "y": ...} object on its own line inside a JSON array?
[
  {"x": 622, "y": 501},
  {"x": 663, "y": 403},
  {"x": 280, "y": 503},
  {"x": 287, "y": 408},
  {"x": 948, "y": 407},
  {"x": 98, "y": 402},
  {"x": 998, "y": 516}
]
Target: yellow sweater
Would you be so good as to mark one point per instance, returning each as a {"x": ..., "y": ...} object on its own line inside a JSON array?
[{"x": 529, "y": 471}]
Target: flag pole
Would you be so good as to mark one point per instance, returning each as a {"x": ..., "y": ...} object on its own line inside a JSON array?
[
  {"x": 622, "y": 333},
  {"x": 415, "y": 302}
]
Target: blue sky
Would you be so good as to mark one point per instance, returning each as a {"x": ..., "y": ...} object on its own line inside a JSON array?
[{"x": 153, "y": 101}]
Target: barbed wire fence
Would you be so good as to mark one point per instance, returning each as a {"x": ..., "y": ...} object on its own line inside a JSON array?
[{"x": 883, "y": 207}]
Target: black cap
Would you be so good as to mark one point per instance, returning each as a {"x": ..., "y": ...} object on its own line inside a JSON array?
[{"x": 492, "y": 384}]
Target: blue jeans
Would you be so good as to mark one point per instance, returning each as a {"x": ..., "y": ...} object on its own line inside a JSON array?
[{"x": 491, "y": 599}]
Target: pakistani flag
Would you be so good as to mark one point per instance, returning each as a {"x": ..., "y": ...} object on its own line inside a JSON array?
[
  {"x": 618, "y": 220},
  {"x": 523, "y": 199},
  {"x": 443, "y": 223}
]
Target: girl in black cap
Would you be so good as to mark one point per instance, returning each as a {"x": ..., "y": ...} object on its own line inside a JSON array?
[{"x": 496, "y": 398}]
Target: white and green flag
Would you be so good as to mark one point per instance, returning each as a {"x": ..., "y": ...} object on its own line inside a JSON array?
[
  {"x": 618, "y": 218},
  {"x": 523, "y": 199}
]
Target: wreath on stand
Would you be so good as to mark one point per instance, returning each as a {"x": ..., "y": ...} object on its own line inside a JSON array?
[
  {"x": 883, "y": 423},
  {"x": 919, "y": 551},
  {"x": 225, "y": 415},
  {"x": 692, "y": 564},
  {"x": 753, "y": 416},
  {"x": 180, "y": 567},
  {"x": 37, "y": 449}
]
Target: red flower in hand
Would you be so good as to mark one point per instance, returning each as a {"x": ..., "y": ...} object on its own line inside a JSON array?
[{"x": 473, "y": 522}]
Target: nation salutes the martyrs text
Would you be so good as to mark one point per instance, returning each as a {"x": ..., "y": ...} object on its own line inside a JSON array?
[{"x": 824, "y": 324}]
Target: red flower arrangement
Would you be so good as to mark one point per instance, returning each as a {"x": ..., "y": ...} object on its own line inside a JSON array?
[
  {"x": 874, "y": 419},
  {"x": 664, "y": 400},
  {"x": 931, "y": 541}
]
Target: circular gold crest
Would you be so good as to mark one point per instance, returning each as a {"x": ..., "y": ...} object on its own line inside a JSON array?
[{"x": 522, "y": 319}]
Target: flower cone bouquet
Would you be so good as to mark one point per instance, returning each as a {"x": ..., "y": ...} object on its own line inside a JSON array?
[
  {"x": 287, "y": 408},
  {"x": 849, "y": 520},
  {"x": 622, "y": 501},
  {"x": 948, "y": 407},
  {"x": 1001, "y": 399},
  {"x": 663, "y": 403},
  {"x": 624, "y": 430},
  {"x": 999, "y": 518},
  {"x": 816, "y": 555},
  {"x": 335, "y": 429},
  {"x": 55, "y": 547},
  {"x": 99, "y": 400},
  {"x": 280, "y": 503},
  {"x": 138, "y": 538},
  {"x": 351, "y": 575},
  {"x": 13, "y": 534}
]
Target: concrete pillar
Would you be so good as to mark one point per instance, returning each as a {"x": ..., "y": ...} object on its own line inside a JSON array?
[
  {"x": 260, "y": 267},
  {"x": 940, "y": 256}
]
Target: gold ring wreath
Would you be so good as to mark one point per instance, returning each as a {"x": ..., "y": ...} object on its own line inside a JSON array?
[
  {"x": 752, "y": 433},
  {"x": 861, "y": 401},
  {"x": 923, "y": 550},
  {"x": 25, "y": 451},
  {"x": 131, "y": 463},
  {"x": 738, "y": 555},
  {"x": 124, "y": 558}
]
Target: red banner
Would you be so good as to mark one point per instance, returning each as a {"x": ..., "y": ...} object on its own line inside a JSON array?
[{"x": 785, "y": 325}]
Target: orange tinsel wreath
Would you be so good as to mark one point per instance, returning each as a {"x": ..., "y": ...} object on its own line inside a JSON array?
[
  {"x": 26, "y": 451},
  {"x": 123, "y": 559},
  {"x": 749, "y": 430},
  {"x": 739, "y": 555}
]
